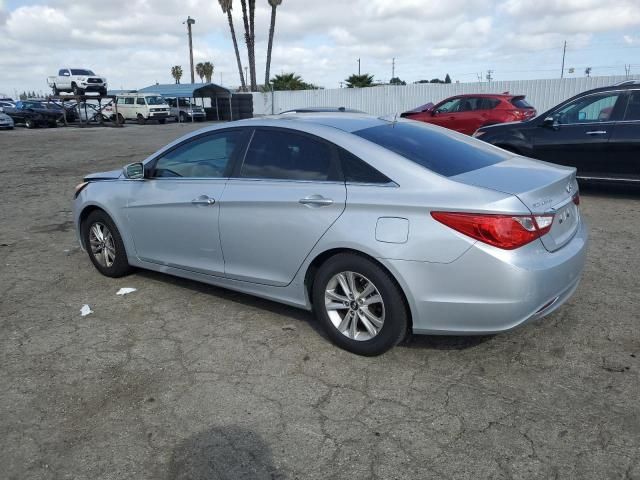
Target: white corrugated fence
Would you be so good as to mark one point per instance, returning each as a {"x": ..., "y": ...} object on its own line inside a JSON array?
[{"x": 383, "y": 100}]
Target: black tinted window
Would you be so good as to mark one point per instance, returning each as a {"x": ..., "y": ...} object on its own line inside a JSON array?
[
  {"x": 288, "y": 156},
  {"x": 358, "y": 171},
  {"x": 633, "y": 108},
  {"x": 445, "y": 153},
  {"x": 520, "y": 103},
  {"x": 205, "y": 157}
]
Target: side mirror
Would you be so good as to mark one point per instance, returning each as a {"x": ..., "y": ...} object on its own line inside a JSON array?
[
  {"x": 551, "y": 122},
  {"x": 134, "y": 171}
]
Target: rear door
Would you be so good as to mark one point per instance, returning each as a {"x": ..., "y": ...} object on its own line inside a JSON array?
[
  {"x": 624, "y": 160},
  {"x": 281, "y": 200},
  {"x": 580, "y": 136}
]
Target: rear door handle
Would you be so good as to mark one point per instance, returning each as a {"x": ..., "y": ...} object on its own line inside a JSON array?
[
  {"x": 203, "y": 200},
  {"x": 597, "y": 132},
  {"x": 315, "y": 201}
]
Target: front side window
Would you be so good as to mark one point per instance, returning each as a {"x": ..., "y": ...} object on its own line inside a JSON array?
[
  {"x": 633, "y": 107},
  {"x": 140, "y": 101},
  {"x": 447, "y": 154},
  {"x": 286, "y": 155},
  {"x": 204, "y": 157},
  {"x": 449, "y": 106},
  {"x": 589, "y": 109}
]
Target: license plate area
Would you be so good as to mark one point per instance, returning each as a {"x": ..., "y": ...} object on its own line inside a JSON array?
[{"x": 565, "y": 224}]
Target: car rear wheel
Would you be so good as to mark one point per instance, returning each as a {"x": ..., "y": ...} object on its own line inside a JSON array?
[
  {"x": 56, "y": 92},
  {"x": 360, "y": 306},
  {"x": 30, "y": 123},
  {"x": 104, "y": 245}
]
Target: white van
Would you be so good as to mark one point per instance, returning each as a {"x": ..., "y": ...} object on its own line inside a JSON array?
[{"x": 142, "y": 107}]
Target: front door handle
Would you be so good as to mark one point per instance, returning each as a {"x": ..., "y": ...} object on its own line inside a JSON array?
[
  {"x": 597, "y": 132},
  {"x": 315, "y": 201},
  {"x": 203, "y": 200}
]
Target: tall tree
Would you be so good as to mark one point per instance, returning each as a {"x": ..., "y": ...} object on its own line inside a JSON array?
[
  {"x": 274, "y": 5},
  {"x": 247, "y": 20},
  {"x": 226, "y": 6},
  {"x": 200, "y": 71},
  {"x": 447, "y": 79},
  {"x": 359, "y": 81},
  {"x": 397, "y": 81},
  {"x": 176, "y": 73},
  {"x": 207, "y": 71}
]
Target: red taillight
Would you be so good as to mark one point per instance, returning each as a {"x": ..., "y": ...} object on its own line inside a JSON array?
[
  {"x": 502, "y": 231},
  {"x": 576, "y": 199}
]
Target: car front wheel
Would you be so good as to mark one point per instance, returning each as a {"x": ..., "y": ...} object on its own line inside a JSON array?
[
  {"x": 360, "y": 306},
  {"x": 104, "y": 245}
]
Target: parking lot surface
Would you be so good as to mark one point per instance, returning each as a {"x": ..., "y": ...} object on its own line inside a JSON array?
[{"x": 180, "y": 380}]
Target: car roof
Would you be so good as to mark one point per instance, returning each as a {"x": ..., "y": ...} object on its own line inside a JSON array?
[{"x": 487, "y": 95}]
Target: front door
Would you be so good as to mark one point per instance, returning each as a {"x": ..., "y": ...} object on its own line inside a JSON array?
[
  {"x": 624, "y": 160},
  {"x": 173, "y": 214},
  {"x": 580, "y": 135},
  {"x": 282, "y": 199}
]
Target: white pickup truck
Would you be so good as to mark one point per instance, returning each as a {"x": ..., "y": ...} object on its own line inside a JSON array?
[{"x": 78, "y": 81}]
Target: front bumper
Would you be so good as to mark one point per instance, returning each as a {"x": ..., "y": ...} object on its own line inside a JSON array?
[
  {"x": 153, "y": 115},
  {"x": 92, "y": 87},
  {"x": 488, "y": 290}
]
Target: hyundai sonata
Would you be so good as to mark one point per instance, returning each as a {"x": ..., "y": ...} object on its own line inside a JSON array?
[{"x": 380, "y": 227}]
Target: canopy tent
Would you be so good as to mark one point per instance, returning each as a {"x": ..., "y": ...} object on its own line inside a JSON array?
[{"x": 192, "y": 90}]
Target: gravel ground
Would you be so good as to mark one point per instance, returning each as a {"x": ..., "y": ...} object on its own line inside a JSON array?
[{"x": 180, "y": 380}]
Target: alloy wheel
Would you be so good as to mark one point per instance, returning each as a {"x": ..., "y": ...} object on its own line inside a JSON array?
[
  {"x": 102, "y": 244},
  {"x": 354, "y": 306}
]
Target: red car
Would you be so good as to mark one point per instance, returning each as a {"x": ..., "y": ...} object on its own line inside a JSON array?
[{"x": 467, "y": 113}]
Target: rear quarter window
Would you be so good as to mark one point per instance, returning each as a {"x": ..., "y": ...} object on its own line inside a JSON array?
[
  {"x": 442, "y": 152},
  {"x": 521, "y": 103}
]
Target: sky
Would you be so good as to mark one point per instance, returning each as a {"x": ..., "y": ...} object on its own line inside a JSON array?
[{"x": 134, "y": 43}]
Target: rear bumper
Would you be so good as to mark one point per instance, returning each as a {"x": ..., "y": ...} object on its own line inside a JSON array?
[{"x": 488, "y": 290}]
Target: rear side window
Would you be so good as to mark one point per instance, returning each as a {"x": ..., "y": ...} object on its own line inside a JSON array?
[
  {"x": 487, "y": 103},
  {"x": 633, "y": 107},
  {"x": 358, "y": 171},
  {"x": 444, "y": 153},
  {"x": 520, "y": 103},
  {"x": 128, "y": 101},
  {"x": 286, "y": 155}
]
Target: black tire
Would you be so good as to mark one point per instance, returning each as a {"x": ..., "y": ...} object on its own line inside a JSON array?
[
  {"x": 141, "y": 119},
  {"x": 121, "y": 119},
  {"x": 396, "y": 317},
  {"x": 103, "y": 92},
  {"x": 56, "y": 92},
  {"x": 30, "y": 123},
  {"x": 76, "y": 90},
  {"x": 162, "y": 121},
  {"x": 53, "y": 124},
  {"x": 120, "y": 266}
]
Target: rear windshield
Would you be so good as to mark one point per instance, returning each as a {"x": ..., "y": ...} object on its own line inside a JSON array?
[
  {"x": 442, "y": 152},
  {"x": 521, "y": 103}
]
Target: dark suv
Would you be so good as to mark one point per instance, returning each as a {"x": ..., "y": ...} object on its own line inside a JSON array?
[{"x": 597, "y": 131}]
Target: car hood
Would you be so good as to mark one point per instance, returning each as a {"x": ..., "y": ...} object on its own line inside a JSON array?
[{"x": 110, "y": 175}]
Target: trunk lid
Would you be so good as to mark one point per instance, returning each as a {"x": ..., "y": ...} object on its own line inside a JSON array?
[{"x": 542, "y": 187}]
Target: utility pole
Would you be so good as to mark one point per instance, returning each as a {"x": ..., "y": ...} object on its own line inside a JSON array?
[
  {"x": 489, "y": 77},
  {"x": 393, "y": 68},
  {"x": 358, "y": 66},
  {"x": 627, "y": 70},
  {"x": 190, "y": 21},
  {"x": 564, "y": 51}
]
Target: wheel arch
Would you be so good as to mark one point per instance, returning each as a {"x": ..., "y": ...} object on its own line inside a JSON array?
[
  {"x": 90, "y": 208},
  {"x": 322, "y": 257}
]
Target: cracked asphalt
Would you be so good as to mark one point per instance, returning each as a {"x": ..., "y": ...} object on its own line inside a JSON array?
[{"x": 180, "y": 380}]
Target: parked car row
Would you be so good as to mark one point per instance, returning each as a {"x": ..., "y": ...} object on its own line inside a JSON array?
[
  {"x": 144, "y": 107},
  {"x": 597, "y": 131}
]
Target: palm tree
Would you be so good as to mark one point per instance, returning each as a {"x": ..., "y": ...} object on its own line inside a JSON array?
[
  {"x": 207, "y": 71},
  {"x": 226, "y": 6},
  {"x": 274, "y": 5},
  {"x": 247, "y": 19},
  {"x": 359, "y": 81},
  {"x": 176, "y": 73},
  {"x": 290, "y": 81},
  {"x": 199, "y": 71}
]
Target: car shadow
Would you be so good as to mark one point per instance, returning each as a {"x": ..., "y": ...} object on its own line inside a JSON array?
[
  {"x": 246, "y": 299},
  {"x": 430, "y": 342},
  {"x": 222, "y": 453},
  {"x": 622, "y": 191}
]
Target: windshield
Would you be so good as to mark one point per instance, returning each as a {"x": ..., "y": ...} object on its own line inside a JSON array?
[
  {"x": 75, "y": 71},
  {"x": 440, "y": 151},
  {"x": 155, "y": 100}
]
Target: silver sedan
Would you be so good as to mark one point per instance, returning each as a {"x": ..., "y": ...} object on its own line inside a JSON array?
[{"x": 382, "y": 228}]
